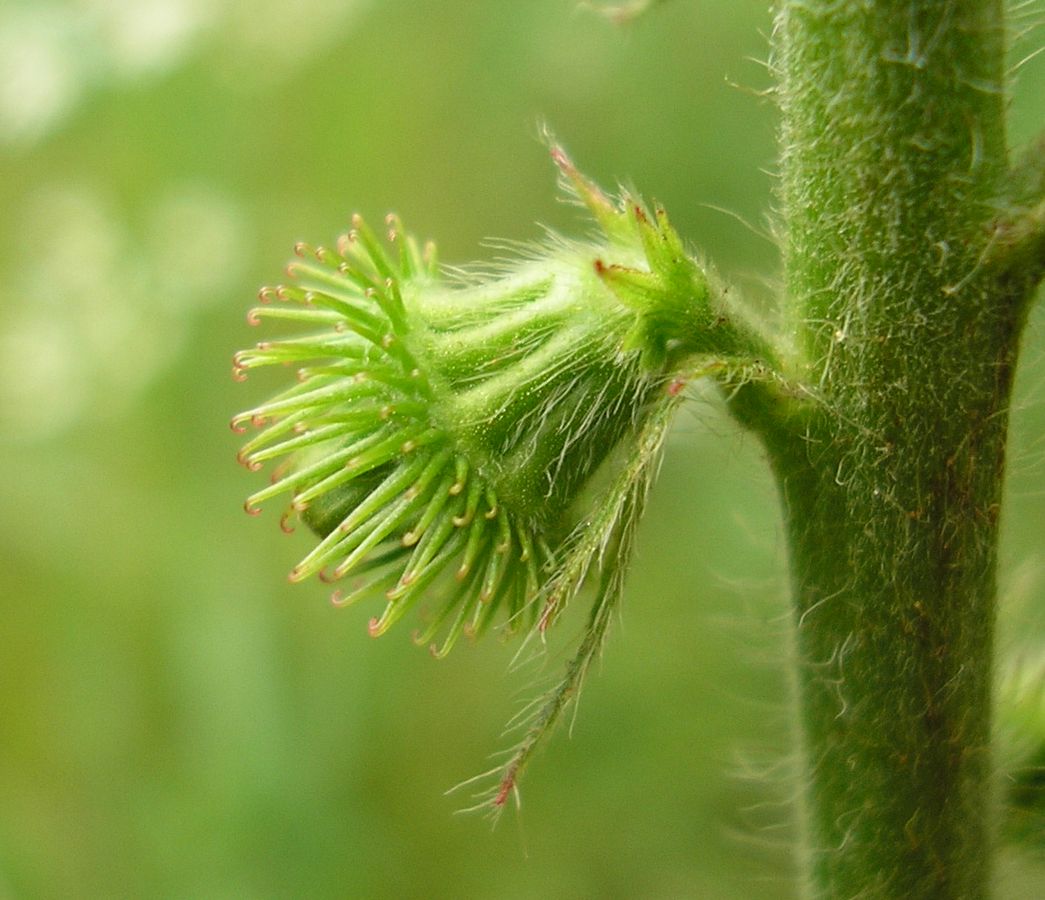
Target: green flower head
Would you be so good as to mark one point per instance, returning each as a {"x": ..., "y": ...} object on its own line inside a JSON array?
[{"x": 481, "y": 444}]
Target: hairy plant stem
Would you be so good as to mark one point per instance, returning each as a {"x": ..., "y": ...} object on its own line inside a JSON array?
[{"x": 893, "y": 162}]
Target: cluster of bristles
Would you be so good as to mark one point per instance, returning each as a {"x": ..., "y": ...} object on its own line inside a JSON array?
[{"x": 399, "y": 509}]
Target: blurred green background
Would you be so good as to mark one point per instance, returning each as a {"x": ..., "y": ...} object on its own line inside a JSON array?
[{"x": 176, "y": 720}]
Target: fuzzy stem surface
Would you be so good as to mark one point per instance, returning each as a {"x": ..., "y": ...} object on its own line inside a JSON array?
[{"x": 893, "y": 154}]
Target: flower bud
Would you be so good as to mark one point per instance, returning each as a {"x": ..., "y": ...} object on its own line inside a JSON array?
[{"x": 445, "y": 436}]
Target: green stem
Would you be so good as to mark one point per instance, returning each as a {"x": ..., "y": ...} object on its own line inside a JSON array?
[{"x": 893, "y": 131}]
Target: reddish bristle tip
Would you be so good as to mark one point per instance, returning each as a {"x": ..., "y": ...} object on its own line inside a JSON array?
[{"x": 505, "y": 790}]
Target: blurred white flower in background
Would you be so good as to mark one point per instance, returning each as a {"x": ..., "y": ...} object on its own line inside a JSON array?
[
  {"x": 54, "y": 54},
  {"x": 40, "y": 77},
  {"x": 99, "y": 307}
]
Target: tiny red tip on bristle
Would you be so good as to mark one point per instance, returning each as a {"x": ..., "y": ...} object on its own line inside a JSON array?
[
  {"x": 258, "y": 421},
  {"x": 546, "y": 615},
  {"x": 600, "y": 267},
  {"x": 337, "y": 601},
  {"x": 239, "y": 373},
  {"x": 505, "y": 790},
  {"x": 299, "y": 505},
  {"x": 237, "y": 426},
  {"x": 284, "y": 522},
  {"x": 253, "y": 319},
  {"x": 374, "y": 627},
  {"x": 251, "y": 510},
  {"x": 295, "y": 575},
  {"x": 300, "y": 248}
]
